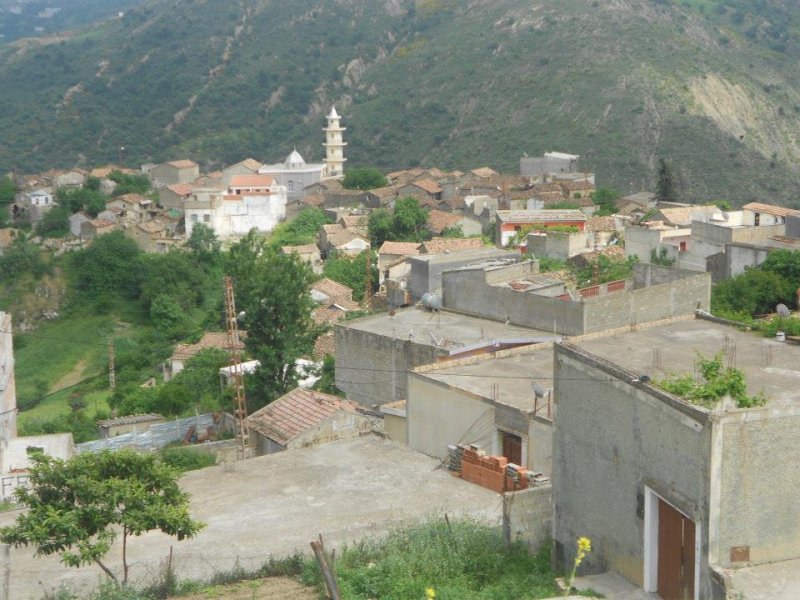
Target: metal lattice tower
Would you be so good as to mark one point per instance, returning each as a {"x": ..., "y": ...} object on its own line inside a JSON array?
[{"x": 237, "y": 374}]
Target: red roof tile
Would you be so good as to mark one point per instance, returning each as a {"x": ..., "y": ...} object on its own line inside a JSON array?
[
  {"x": 439, "y": 245},
  {"x": 399, "y": 248},
  {"x": 296, "y": 412},
  {"x": 438, "y": 220},
  {"x": 254, "y": 180}
]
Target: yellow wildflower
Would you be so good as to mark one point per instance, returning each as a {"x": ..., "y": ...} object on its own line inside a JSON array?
[
  {"x": 585, "y": 544},
  {"x": 430, "y": 593}
]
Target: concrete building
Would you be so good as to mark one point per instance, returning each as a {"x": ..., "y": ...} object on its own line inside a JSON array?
[
  {"x": 183, "y": 352},
  {"x": 174, "y": 195},
  {"x": 511, "y": 222},
  {"x": 128, "y": 424},
  {"x": 548, "y": 164},
  {"x": 425, "y": 274},
  {"x": 176, "y": 171},
  {"x": 334, "y": 145},
  {"x": 559, "y": 245},
  {"x": 514, "y": 292},
  {"x": 295, "y": 174},
  {"x": 248, "y": 166},
  {"x": 395, "y": 253},
  {"x": 250, "y": 202},
  {"x": 487, "y": 400},
  {"x": 304, "y": 418},
  {"x": 76, "y": 221},
  {"x": 676, "y": 496},
  {"x": 309, "y": 254},
  {"x": 8, "y": 393},
  {"x": 374, "y": 353}
]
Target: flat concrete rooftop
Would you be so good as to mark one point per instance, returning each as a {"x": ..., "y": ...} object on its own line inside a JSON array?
[
  {"x": 275, "y": 504},
  {"x": 511, "y": 371},
  {"x": 673, "y": 349},
  {"x": 465, "y": 256},
  {"x": 452, "y": 330}
]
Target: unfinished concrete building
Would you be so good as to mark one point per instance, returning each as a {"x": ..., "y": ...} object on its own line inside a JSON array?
[{"x": 677, "y": 496}]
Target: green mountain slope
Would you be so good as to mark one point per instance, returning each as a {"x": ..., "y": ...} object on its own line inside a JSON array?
[{"x": 706, "y": 85}]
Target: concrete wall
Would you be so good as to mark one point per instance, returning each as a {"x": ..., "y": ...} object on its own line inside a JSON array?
[
  {"x": 758, "y": 485},
  {"x": 342, "y": 425},
  {"x": 613, "y": 438},
  {"x": 739, "y": 257},
  {"x": 467, "y": 291},
  {"x": 440, "y": 415},
  {"x": 540, "y": 446},
  {"x": 394, "y": 427},
  {"x": 425, "y": 273},
  {"x": 793, "y": 226},
  {"x": 371, "y": 368},
  {"x": 670, "y": 293},
  {"x": 57, "y": 445},
  {"x": 528, "y": 516},
  {"x": 558, "y": 245},
  {"x": 8, "y": 394}
]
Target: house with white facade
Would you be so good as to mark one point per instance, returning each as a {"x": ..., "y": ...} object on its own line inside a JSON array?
[{"x": 250, "y": 202}]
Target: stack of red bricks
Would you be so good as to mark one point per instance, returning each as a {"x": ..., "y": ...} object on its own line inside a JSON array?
[{"x": 492, "y": 472}]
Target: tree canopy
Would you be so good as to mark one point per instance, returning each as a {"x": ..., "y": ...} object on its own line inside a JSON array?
[
  {"x": 606, "y": 201},
  {"x": 77, "y": 508},
  {"x": 405, "y": 224},
  {"x": 665, "y": 187},
  {"x": 351, "y": 271},
  {"x": 272, "y": 289},
  {"x": 301, "y": 230},
  {"x": 363, "y": 178},
  {"x": 8, "y": 190}
]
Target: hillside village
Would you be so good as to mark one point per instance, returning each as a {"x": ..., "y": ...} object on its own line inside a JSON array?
[{"x": 525, "y": 342}]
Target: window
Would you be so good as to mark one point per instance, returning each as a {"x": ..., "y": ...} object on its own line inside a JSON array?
[
  {"x": 290, "y": 186},
  {"x": 194, "y": 218},
  {"x": 206, "y": 218}
]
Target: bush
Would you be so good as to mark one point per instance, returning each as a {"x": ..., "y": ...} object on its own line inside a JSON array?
[{"x": 187, "y": 459}]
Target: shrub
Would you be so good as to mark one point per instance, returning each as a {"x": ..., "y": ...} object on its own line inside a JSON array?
[{"x": 187, "y": 459}]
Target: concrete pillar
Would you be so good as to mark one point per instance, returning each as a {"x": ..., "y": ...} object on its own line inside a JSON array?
[{"x": 5, "y": 571}]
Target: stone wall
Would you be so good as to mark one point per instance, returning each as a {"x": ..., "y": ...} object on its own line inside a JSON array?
[{"x": 528, "y": 516}]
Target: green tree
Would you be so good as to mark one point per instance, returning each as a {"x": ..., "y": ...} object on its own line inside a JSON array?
[
  {"x": 91, "y": 200},
  {"x": 107, "y": 268},
  {"x": 8, "y": 190},
  {"x": 167, "y": 316},
  {"x": 351, "y": 271},
  {"x": 665, "y": 187},
  {"x": 755, "y": 292},
  {"x": 21, "y": 258},
  {"x": 200, "y": 376},
  {"x": 54, "y": 223},
  {"x": 272, "y": 289},
  {"x": 203, "y": 243},
  {"x": 379, "y": 225},
  {"x": 327, "y": 377},
  {"x": 363, "y": 178},
  {"x": 408, "y": 223},
  {"x": 129, "y": 184},
  {"x": 77, "y": 508},
  {"x": 606, "y": 201},
  {"x": 453, "y": 232},
  {"x": 784, "y": 263},
  {"x": 301, "y": 230}
]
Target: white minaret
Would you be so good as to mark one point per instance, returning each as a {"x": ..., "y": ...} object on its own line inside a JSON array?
[{"x": 334, "y": 146}]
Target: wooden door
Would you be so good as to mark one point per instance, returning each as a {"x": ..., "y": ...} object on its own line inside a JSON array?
[
  {"x": 512, "y": 448},
  {"x": 676, "y": 556}
]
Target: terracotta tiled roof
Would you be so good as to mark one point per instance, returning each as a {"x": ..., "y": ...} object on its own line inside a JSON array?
[
  {"x": 769, "y": 209},
  {"x": 601, "y": 224},
  {"x": 151, "y": 227},
  {"x": 332, "y": 289},
  {"x": 255, "y": 180},
  {"x": 210, "y": 339},
  {"x": 306, "y": 249},
  {"x": 399, "y": 248},
  {"x": 325, "y": 344},
  {"x": 547, "y": 187},
  {"x": 182, "y": 164},
  {"x": 428, "y": 185},
  {"x": 437, "y": 173},
  {"x": 534, "y": 216},
  {"x": 577, "y": 186},
  {"x": 349, "y": 221},
  {"x": 345, "y": 236},
  {"x": 684, "y": 215},
  {"x": 438, "y": 220},
  {"x": 100, "y": 223},
  {"x": 439, "y": 245},
  {"x": 331, "y": 228},
  {"x": 296, "y": 412},
  {"x": 314, "y": 200},
  {"x": 386, "y": 191},
  {"x": 395, "y": 174},
  {"x": 250, "y": 163},
  {"x": 456, "y": 202},
  {"x": 133, "y": 199},
  {"x": 182, "y": 189},
  {"x": 483, "y": 172}
]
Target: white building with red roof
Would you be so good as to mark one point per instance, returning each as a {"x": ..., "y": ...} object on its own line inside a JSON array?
[{"x": 251, "y": 201}]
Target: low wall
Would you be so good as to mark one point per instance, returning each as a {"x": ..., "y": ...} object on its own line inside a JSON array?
[{"x": 528, "y": 516}]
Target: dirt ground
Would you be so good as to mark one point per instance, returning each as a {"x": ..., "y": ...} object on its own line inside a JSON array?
[{"x": 281, "y": 588}]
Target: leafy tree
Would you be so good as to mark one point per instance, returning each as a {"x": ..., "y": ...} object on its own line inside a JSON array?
[
  {"x": 8, "y": 190},
  {"x": 21, "y": 258},
  {"x": 665, "y": 188},
  {"x": 137, "y": 400},
  {"x": 351, "y": 271},
  {"x": 379, "y": 225},
  {"x": 200, "y": 376},
  {"x": 606, "y": 201},
  {"x": 92, "y": 183},
  {"x": 203, "y": 243},
  {"x": 129, "y": 184},
  {"x": 301, "y": 230},
  {"x": 77, "y": 508},
  {"x": 785, "y": 263},
  {"x": 273, "y": 290},
  {"x": 409, "y": 220},
  {"x": 755, "y": 292},
  {"x": 54, "y": 223},
  {"x": 167, "y": 316},
  {"x": 91, "y": 200},
  {"x": 175, "y": 275},
  {"x": 724, "y": 205},
  {"x": 364, "y": 178},
  {"x": 453, "y": 232},
  {"x": 107, "y": 268},
  {"x": 327, "y": 377}
]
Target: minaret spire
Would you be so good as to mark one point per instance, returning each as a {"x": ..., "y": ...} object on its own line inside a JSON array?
[{"x": 334, "y": 145}]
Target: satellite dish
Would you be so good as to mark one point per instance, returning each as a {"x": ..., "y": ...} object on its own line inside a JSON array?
[
  {"x": 783, "y": 310},
  {"x": 538, "y": 390}
]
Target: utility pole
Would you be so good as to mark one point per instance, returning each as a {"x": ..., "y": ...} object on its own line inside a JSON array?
[
  {"x": 368, "y": 280},
  {"x": 237, "y": 375},
  {"x": 112, "y": 375}
]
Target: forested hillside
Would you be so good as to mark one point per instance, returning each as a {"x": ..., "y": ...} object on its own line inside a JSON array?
[{"x": 711, "y": 86}]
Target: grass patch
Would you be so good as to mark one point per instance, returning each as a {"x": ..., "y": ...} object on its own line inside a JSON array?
[{"x": 463, "y": 560}]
